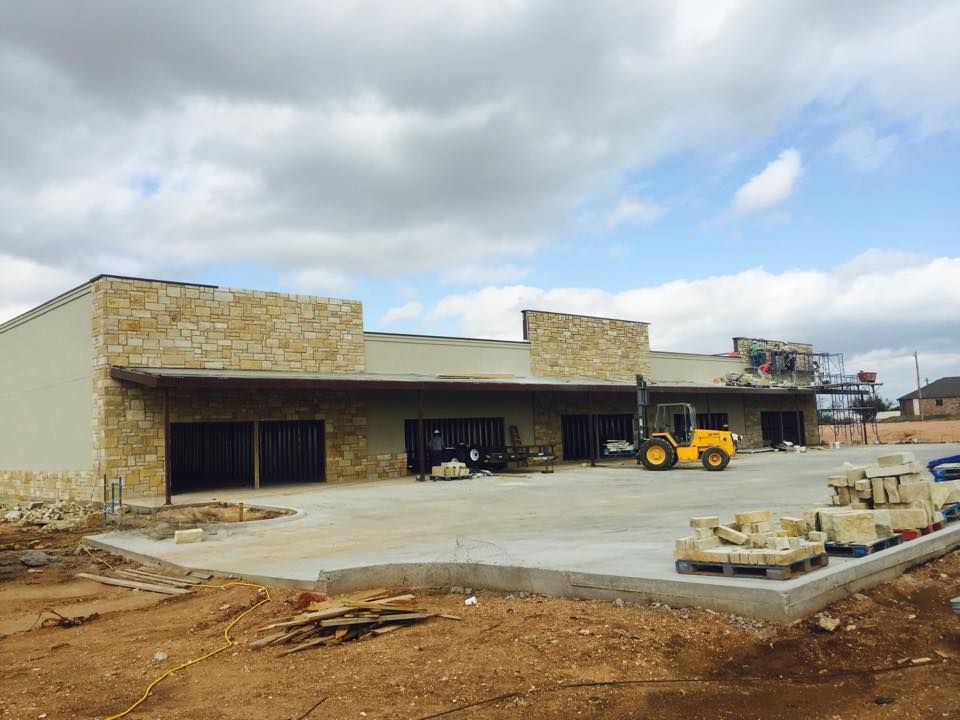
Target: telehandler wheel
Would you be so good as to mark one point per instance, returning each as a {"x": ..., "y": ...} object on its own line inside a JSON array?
[
  {"x": 656, "y": 454},
  {"x": 715, "y": 458}
]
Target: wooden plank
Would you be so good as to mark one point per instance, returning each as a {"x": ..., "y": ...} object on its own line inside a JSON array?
[
  {"x": 308, "y": 617},
  {"x": 401, "y": 617},
  {"x": 264, "y": 641},
  {"x": 161, "y": 576},
  {"x": 450, "y": 617},
  {"x": 134, "y": 585},
  {"x": 201, "y": 574},
  {"x": 385, "y": 629},
  {"x": 367, "y": 595},
  {"x": 337, "y": 622},
  {"x": 304, "y": 646},
  {"x": 143, "y": 578}
]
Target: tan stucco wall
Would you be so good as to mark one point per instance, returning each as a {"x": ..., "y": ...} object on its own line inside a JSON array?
[
  {"x": 155, "y": 324},
  {"x": 46, "y": 388},
  {"x": 667, "y": 367},
  {"x": 386, "y": 412},
  {"x": 578, "y": 346},
  {"x": 422, "y": 355}
]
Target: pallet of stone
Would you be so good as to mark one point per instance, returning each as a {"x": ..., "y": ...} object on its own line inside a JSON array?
[
  {"x": 767, "y": 572},
  {"x": 333, "y": 622},
  {"x": 914, "y": 533},
  {"x": 859, "y": 550}
]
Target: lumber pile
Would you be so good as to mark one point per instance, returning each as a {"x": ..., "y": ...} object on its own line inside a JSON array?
[
  {"x": 332, "y": 622},
  {"x": 893, "y": 493},
  {"x": 146, "y": 580},
  {"x": 453, "y": 468},
  {"x": 751, "y": 539}
]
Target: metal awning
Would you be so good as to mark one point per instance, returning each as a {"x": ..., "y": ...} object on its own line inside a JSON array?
[{"x": 285, "y": 380}]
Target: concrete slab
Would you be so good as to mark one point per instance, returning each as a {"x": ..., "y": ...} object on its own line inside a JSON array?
[{"x": 597, "y": 533}]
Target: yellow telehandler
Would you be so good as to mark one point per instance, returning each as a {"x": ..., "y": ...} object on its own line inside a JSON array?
[{"x": 676, "y": 437}]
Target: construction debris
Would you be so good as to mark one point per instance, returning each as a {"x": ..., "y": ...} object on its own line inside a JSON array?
[
  {"x": 58, "y": 515},
  {"x": 750, "y": 539},
  {"x": 332, "y": 622}
]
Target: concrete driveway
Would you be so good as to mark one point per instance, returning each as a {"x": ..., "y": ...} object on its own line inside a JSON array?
[{"x": 617, "y": 520}]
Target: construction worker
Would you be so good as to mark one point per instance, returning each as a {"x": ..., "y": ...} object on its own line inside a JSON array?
[{"x": 436, "y": 448}]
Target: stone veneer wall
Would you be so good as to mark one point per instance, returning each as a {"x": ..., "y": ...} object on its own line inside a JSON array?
[
  {"x": 155, "y": 324},
  {"x": 579, "y": 346},
  {"x": 78, "y": 485}
]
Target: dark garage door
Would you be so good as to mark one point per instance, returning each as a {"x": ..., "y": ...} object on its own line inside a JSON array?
[
  {"x": 292, "y": 452},
  {"x": 779, "y": 426},
  {"x": 576, "y": 433},
  {"x": 210, "y": 455},
  {"x": 486, "y": 433}
]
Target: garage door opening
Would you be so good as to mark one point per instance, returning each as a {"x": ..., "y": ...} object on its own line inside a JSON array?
[
  {"x": 210, "y": 455},
  {"x": 777, "y": 427},
  {"x": 292, "y": 452},
  {"x": 458, "y": 434},
  {"x": 207, "y": 456},
  {"x": 575, "y": 430}
]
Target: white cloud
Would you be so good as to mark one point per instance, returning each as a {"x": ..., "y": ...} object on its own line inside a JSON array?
[
  {"x": 408, "y": 311},
  {"x": 316, "y": 280},
  {"x": 770, "y": 187},
  {"x": 341, "y": 145},
  {"x": 633, "y": 211},
  {"x": 24, "y": 284},
  {"x": 483, "y": 274},
  {"x": 863, "y": 308},
  {"x": 864, "y": 149}
]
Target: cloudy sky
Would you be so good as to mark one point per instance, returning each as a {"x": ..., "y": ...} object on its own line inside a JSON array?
[{"x": 787, "y": 169}]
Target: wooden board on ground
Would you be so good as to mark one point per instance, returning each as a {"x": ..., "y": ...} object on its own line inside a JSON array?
[{"x": 134, "y": 585}]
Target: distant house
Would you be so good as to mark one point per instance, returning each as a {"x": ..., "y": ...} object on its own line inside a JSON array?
[{"x": 941, "y": 397}]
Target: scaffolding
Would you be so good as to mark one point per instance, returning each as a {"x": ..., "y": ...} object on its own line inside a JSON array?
[{"x": 846, "y": 403}]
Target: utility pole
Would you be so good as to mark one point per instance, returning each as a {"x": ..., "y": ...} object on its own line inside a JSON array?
[{"x": 916, "y": 364}]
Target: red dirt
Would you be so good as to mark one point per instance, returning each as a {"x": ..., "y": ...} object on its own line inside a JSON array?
[{"x": 550, "y": 658}]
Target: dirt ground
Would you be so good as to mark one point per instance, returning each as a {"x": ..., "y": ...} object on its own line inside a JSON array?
[
  {"x": 510, "y": 656},
  {"x": 908, "y": 431},
  {"x": 916, "y": 431}
]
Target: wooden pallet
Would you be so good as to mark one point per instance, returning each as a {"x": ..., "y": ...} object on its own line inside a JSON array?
[
  {"x": 914, "y": 533},
  {"x": 767, "y": 572},
  {"x": 858, "y": 550},
  {"x": 951, "y": 512}
]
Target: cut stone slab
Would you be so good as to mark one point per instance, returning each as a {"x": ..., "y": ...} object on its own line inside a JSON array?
[
  {"x": 854, "y": 526},
  {"x": 892, "y": 489},
  {"x": 182, "y": 537},
  {"x": 793, "y": 526},
  {"x": 909, "y": 492},
  {"x": 731, "y": 535},
  {"x": 897, "y": 458},
  {"x": 908, "y": 519},
  {"x": 755, "y": 516},
  {"x": 879, "y": 494},
  {"x": 707, "y": 521},
  {"x": 892, "y": 470},
  {"x": 854, "y": 472}
]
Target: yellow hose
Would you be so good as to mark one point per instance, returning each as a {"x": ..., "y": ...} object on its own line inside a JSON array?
[{"x": 227, "y": 644}]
